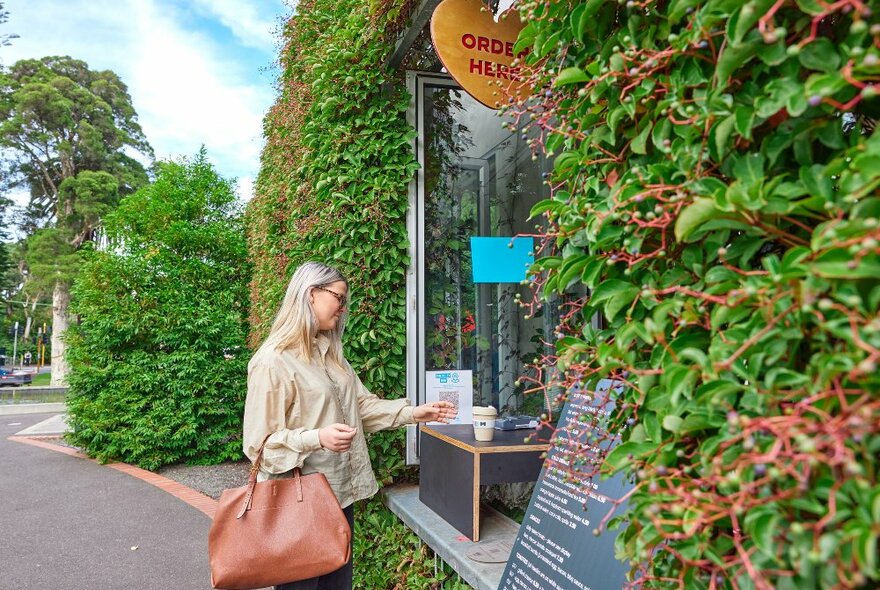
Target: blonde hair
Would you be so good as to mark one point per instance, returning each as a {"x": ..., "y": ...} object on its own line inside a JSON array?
[{"x": 296, "y": 325}]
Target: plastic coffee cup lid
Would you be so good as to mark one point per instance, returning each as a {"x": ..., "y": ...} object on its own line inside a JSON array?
[{"x": 485, "y": 411}]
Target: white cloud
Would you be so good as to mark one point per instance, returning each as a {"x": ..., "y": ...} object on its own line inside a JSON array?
[
  {"x": 187, "y": 88},
  {"x": 19, "y": 197},
  {"x": 243, "y": 19},
  {"x": 245, "y": 188},
  {"x": 188, "y": 96}
]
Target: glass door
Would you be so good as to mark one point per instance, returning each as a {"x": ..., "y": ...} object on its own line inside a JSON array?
[{"x": 477, "y": 179}]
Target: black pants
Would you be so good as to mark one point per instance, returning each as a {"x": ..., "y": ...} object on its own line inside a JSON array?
[{"x": 338, "y": 580}]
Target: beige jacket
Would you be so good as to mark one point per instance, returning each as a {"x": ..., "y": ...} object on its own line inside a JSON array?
[{"x": 292, "y": 399}]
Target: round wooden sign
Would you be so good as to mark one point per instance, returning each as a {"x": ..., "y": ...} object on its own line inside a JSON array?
[{"x": 477, "y": 51}]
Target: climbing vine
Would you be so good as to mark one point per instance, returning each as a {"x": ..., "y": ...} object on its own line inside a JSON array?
[
  {"x": 333, "y": 188},
  {"x": 716, "y": 189}
]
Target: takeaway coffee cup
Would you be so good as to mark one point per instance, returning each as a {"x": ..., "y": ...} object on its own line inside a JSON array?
[{"x": 484, "y": 422}]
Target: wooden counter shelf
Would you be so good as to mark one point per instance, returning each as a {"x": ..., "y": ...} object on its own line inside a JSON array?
[{"x": 454, "y": 465}]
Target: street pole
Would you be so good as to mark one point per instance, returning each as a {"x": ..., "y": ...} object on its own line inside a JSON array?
[{"x": 15, "y": 345}]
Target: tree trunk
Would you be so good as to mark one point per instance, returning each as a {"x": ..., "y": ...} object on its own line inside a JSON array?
[
  {"x": 60, "y": 301},
  {"x": 29, "y": 316}
]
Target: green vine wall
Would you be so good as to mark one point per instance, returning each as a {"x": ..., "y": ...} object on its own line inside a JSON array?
[
  {"x": 333, "y": 188},
  {"x": 716, "y": 189}
]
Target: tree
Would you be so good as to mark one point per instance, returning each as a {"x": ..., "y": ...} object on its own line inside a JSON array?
[
  {"x": 158, "y": 355},
  {"x": 67, "y": 133},
  {"x": 5, "y": 262}
]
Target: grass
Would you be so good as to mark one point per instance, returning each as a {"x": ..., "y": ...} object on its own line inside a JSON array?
[{"x": 41, "y": 379}]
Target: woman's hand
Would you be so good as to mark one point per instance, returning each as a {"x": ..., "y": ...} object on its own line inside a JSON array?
[
  {"x": 337, "y": 437},
  {"x": 435, "y": 412}
]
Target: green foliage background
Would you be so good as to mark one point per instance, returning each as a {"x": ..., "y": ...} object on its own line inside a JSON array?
[
  {"x": 158, "y": 356},
  {"x": 723, "y": 212},
  {"x": 333, "y": 188},
  {"x": 69, "y": 134}
]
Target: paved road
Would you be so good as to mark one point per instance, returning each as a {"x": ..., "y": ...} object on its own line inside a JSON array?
[{"x": 70, "y": 524}]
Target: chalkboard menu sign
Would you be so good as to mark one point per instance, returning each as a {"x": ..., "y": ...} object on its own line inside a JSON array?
[{"x": 556, "y": 547}]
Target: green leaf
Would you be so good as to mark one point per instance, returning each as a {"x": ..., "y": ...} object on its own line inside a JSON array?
[
  {"x": 825, "y": 85},
  {"x": 619, "y": 455},
  {"x": 616, "y": 293},
  {"x": 762, "y": 526},
  {"x": 794, "y": 257},
  {"x": 722, "y": 134},
  {"x": 610, "y": 288},
  {"x": 816, "y": 181},
  {"x": 745, "y": 117},
  {"x": 866, "y": 549},
  {"x": 571, "y": 269},
  {"x": 661, "y": 132},
  {"x": 749, "y": 169},
  {"x": 547, "y": 262},
  {"x": 867, "y": 164},
  {"x": 720, "y": 274},
  {"x": 796, "y": 104},
  {"x": 747, "y": 19},
  {"x": 554, "y": 142},
  {"x": 709, "y": 186},
  {"x": 875, "y": 505},
  {"x": 652, "y": 427},
  {"x": 545, "y": 205},
  {"x": 614, "y": 118},
  {"x": 577, "y": 27},
  {"x": 780, "y": 92},
  {"x": 657, "y": 400},
  {"x": 566, "y": 160},
  {"x": 679, "y": 382},
  {"x": 813, "y": 7},
  {"x": 672, "y": 423},
  {"x": 639, "y": 143},
  {"x": 638, "y": 434},
  {"x": 571, "y": 75},
  {"x": 773, "y": 54},
  {"x": 782, "y": 378},
  {"x": 700, "y": 420},
  {"x": 839, "y": 264},
  {"x": 693, "y": 216},
  {"x": 592, "y": 272},
  {"x": 734, "y": 57},
  {"x": 820, "y": 55},
  {"x": 678, "y": 8},
  {"x": 526, "y": 38},
  {"x": 581, "y": 16},
  {"x": 615, "y": 304}
]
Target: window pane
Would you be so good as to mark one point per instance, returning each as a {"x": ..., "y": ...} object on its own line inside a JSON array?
[{"x": 480, "y": 180}]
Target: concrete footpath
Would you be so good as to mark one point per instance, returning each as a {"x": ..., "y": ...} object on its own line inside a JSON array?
[{"x": 68, "y": 523}]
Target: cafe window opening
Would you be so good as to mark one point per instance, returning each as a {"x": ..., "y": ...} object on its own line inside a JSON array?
[{"x": 478, "y": 179}]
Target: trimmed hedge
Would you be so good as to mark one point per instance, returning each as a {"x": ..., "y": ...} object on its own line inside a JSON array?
[{"x": 158, "y": 355}]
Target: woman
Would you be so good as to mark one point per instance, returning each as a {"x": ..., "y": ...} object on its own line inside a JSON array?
[{"x": 303, "y": 392}]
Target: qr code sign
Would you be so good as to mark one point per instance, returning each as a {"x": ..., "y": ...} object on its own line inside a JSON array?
[{"x": 449, "y": 396}]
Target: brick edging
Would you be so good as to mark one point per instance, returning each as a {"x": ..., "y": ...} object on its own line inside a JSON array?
[
  {"x": 40, "y": 441},
  {"x": 197, "y": 500}
]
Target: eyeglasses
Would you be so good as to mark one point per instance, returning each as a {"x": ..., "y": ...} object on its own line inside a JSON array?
[{"x": 339, "y": 298}]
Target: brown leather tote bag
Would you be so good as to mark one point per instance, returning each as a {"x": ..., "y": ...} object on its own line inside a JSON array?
[{"x": 277, "y": 531}]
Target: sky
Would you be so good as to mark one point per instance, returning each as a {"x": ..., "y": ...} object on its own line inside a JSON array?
[{"x": 198, "y": 71}]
